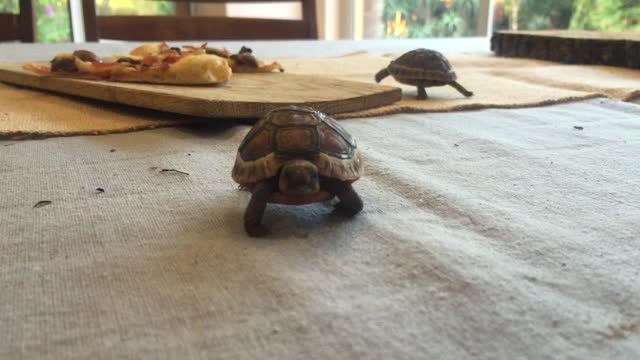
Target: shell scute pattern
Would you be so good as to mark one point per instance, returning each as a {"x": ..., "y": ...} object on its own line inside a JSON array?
[
  {"x": 422, "y": 64},
  {"x": 296, "y": 133}
]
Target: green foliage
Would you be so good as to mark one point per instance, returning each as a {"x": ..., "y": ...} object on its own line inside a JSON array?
[
  {"x": 603, "y": 15},
  {"x": 610, "y": 15},
  {"x": 52, "y": 16},
  {"x": 430, "y": 18},
  {"x": 52, "y": 19},
  {"x": 9, "y": 6},
  {"x": 535, "y": 14},
  {"x": 545, "y": 14},
  {"x": 133, "y": 7}
]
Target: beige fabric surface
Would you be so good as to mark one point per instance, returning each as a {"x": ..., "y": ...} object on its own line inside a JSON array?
[
  {"x": 496, "y": 82},
  {"x": 494, "y": 234},
  {"x": 27, "y": 113}
]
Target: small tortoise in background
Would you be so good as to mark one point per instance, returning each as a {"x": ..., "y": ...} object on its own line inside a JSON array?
[
  {"x": 294, "y": 156},
  {"x": 422, "y": 68}
]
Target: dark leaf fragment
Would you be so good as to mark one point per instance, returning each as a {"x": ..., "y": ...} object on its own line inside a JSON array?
[{"x": 42, "y": 203}]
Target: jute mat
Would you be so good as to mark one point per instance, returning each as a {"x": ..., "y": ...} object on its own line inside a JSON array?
[{"x": 496, "y": 82}]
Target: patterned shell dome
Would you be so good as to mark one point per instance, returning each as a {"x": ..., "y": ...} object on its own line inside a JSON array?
[
  {"x": 295, "y": 132},
  {"x": 422, "y": 64}
]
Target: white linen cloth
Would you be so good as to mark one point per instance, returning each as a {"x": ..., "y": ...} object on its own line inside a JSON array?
[
  {"x": 491, "y": 234},
  {"x": 487, "y": 234}
]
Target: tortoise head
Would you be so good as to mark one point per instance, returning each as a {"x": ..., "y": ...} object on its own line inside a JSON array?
[{"x": 299, "y": 178}]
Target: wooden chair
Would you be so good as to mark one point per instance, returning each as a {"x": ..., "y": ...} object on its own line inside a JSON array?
[
  {"x": 184, "y": 27},
  {"x": 19, "y": 27}
]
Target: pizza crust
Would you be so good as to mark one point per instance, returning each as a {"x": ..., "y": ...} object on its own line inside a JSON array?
[
  {"x": 190, "y": 70},
  {"x": 200, "y": 69},
  {"x": 148, "y": 49}
]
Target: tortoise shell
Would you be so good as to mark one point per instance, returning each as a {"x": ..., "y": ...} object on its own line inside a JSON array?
[
  {"x": 295, "y": 132},
  {"x": 422, "y": 64}
]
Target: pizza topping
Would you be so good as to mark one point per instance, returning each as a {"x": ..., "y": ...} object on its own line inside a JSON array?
[
  {"x": 43, "y": 69},
  {"x": 149, "y": 49},
  {"x": 171, "y": 59},
  {"x": 64, "y": 63},
  {"x": 244, "y": 57},
  {"x": 158, "y": 63},
  {"x": 245, "y": 62},
  {"x": 261, "y": 68},
  {"x": 105, "y": 65},
  {"x": 151, "y": 59},
  {"x": 245, "y": 50},
  {"x": 86, "y": 55},
  {"x": 85, "y": 66},
  {"x": 129, "y": 60},
  {"x": 218, "y": 52}
]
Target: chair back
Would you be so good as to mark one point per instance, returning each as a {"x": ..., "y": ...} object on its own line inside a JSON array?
[
  {"x": 19, "y": 26},
  {"x": 185, "y": 27}
]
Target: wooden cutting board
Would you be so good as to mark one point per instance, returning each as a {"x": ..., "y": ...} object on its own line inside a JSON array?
[{"x": 244, "y": 96}]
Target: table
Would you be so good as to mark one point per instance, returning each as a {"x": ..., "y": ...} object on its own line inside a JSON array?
[{"x": 485, "y": 234}]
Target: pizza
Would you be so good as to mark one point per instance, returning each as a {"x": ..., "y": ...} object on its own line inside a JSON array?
[
  {"x": 156, "y": 63},
  {"x": 244, "y": 61}
]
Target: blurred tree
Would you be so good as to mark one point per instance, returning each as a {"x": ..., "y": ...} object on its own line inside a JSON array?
[
  {"x": 616, "y": 15},
  {"x": 52, "y": 16},
  {"x": 545, "y": 14},
  {"x": 604, "y": 15},
  {"x": 52, "y": 20},
  {"x": 533, "y": 14},
  {"x": 430, "y": 18},
  {"x": 133, "y": 7},
  {"x": 449, "y": 24},
  {"x": 9, "y": 6},
  {"x": 468, "y": 11}
]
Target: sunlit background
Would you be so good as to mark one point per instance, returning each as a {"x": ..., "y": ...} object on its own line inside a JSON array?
[
  {"x": 601, "y": 15},
  {"x": 396, "y": 19},
  {"x": 419, "y": 19},
  {"x": 52, "y": 18},
  {"x": 453, "y": 18}
]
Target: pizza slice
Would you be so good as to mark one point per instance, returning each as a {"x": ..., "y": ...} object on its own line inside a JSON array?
[
  {"x": 150, "y": 63},
  {"x": 245, "y": 62},
  {"x": 242, "y": 62}
]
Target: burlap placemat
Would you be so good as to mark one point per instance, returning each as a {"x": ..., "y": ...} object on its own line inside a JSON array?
[
  {"x": 496, "y": 82},
  {"x": 29, "y": 114}
]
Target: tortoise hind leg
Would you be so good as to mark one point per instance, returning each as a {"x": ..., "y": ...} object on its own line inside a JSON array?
[
  {"x": 422, "y": 93},
  {"x": 461, "y": 89},
  {"x": 255, "y": 210}
]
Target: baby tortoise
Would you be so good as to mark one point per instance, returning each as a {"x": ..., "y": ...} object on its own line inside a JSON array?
[
  {"x": 297, "y": 155},
  {"x": 422, "y": 68}
]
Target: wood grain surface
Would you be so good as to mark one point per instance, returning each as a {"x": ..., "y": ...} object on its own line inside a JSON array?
[
  {"x": 244, "y": 96},
  {"x": 571, "y": 47}
]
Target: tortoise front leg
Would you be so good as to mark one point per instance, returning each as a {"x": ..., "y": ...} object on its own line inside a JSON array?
[
  {"x": 350, "y": 202},
  {"x": 422, "y": 93},
  {"x": 255, "y": 210},
  {"x": 382, "y": 74}
]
